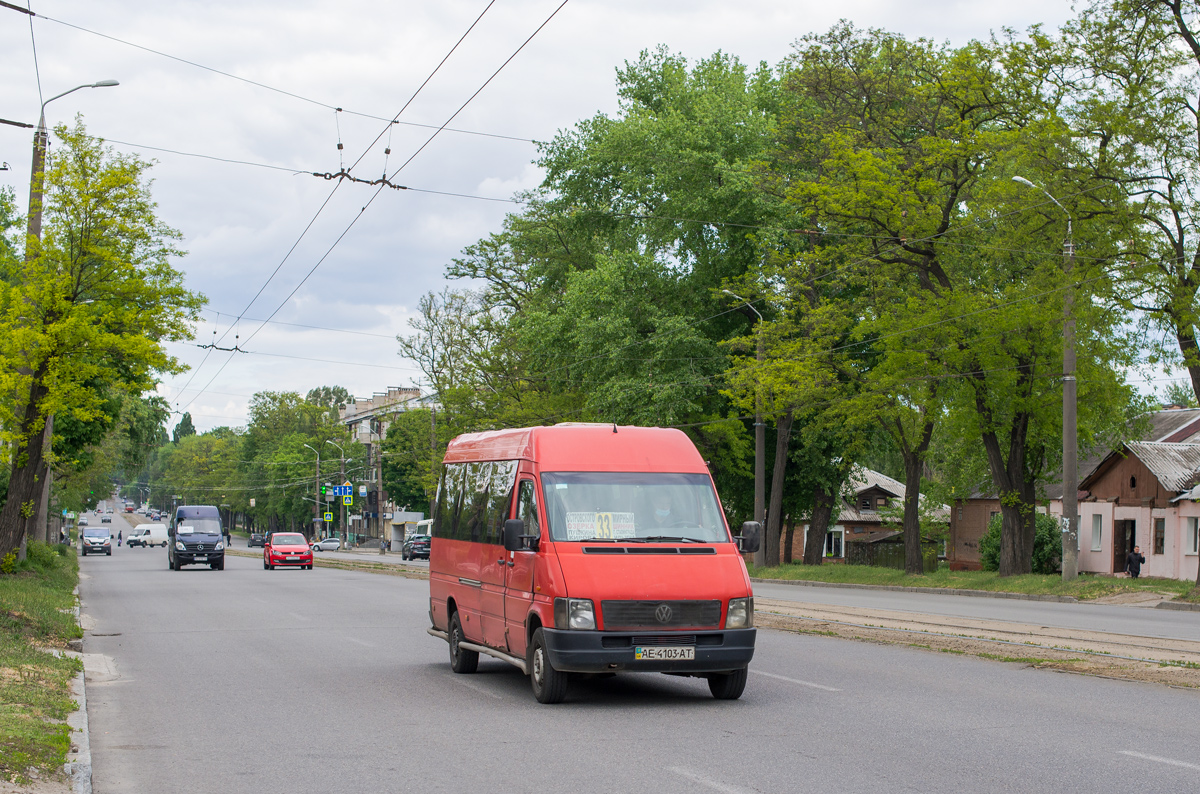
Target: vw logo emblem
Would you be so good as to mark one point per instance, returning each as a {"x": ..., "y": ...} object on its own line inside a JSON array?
[{"x": 663, "y": 613}]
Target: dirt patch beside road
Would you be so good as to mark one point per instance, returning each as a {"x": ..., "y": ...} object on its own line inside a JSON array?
[
  {"x": 350, "y": 565},
  {"x": 1150, "y": 659}
]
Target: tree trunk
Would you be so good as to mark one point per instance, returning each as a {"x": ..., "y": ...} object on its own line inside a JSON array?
[
  {"x": 29, "y": 469},
  {"x": 1191, "y": 354},
  {"x": 787, "y": 542},
  {"x": 818, "y": 525},
  {"x": 914, "y": 465},
  {"x": 783, "y": 433}
]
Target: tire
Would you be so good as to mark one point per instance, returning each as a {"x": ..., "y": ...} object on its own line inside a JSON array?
[
  {"x": 170, "y": 565},
  {"x": 728, "y": 686},
  {"x": 403, "y": 556},
  {"x": 108, "y": 553},
  {"x": 217, "y": 566},
  {"x": 549, "y": 685},
  {"x": 178, "y": 565},
  {"x": 461, "y": 661},
  {"x": 265, "y": 567}
]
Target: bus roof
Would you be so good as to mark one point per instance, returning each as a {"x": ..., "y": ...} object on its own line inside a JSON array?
[{"x": 583, "y": 447}]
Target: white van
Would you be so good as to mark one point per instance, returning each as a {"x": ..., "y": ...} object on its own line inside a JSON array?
[{"x": 148, "y": 535}]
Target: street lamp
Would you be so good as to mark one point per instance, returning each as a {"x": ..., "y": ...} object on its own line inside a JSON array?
[
  {"x": 1070, "y": 533},
  {"x": 36, "y": 176},
  {"x": 760, "y": 556},
  {"x": 342, "y": 479},
  {"x": 317, "y": 494}
]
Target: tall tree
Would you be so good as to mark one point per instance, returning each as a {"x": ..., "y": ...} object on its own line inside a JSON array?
[
  {"x": 184, "y": 429},
  {"x": 90, "y": 305}
]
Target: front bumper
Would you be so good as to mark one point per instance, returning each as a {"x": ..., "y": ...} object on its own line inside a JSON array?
[
  {"x": 717, "y": 651},
  {"x": 305, "y": 559},
  {"x": 189, "y": 557}
]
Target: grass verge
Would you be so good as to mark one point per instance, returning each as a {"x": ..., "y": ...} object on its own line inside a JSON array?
[
  {"x": 1086, "y": 587},
  {"x": 36, "y": 603}
]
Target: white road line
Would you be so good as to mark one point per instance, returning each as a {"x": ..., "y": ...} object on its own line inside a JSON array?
[
  {"x": 708, "y": 782},
  {"x": 1160, "y": 760},
  {"x": 484, "y": 690},
  {"x": 797, "y": 681},
  {"x": 361, "y": 642}
]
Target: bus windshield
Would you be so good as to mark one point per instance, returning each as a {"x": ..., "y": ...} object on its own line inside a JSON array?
[{"x": 632, "y": 506}]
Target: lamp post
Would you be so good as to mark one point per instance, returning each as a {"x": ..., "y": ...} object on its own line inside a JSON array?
[
  {"x": 32, "y": 248},
  {"x": 760, "y": 556},
  {"x": 1070, "y": 532},
  {"x": 317, "y": 494},
  {"x": 342, "y": 475},
  {"x": 37, "y": 174}
]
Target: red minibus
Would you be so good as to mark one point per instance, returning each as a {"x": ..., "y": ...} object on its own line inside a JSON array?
[{"x": 584, "y": 548}]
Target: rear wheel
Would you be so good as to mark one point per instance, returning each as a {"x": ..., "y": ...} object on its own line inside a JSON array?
[
  {"x": 728, "y": 686},
  {"x": 461, "y": 660},
  {"x": 549, "y": 685}
]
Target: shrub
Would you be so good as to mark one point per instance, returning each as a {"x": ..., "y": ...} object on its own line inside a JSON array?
[
  {"x": 9, "y": 563},
  {"x": 1047, "y": 545}
]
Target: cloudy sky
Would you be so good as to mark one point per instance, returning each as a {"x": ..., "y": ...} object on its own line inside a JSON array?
[{"x": 239, "y": 221}]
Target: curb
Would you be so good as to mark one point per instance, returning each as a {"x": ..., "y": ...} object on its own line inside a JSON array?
[
  {"x": 1180, "y": 606},
  {"x": 933, "y": 590},
  {"x": 79, "y": 764}
]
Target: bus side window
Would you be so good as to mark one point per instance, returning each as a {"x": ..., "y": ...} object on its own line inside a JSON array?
[{"x": 527, "y": 508}]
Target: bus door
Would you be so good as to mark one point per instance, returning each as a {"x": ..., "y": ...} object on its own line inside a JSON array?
[{"x": 518, "y": 591}]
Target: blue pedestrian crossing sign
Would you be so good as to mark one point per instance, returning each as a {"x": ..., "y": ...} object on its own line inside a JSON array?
[
  {"x": 329, "y": 516},
  {"x": 348, "y": 500}
]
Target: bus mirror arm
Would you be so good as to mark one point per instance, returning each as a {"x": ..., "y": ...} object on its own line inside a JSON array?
[
  {"x": 751, "y": 537},
  {"x": 515, "y": 538}
]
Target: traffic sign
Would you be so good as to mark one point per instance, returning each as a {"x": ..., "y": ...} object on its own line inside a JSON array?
[
  {"x": 348, "y": 500},
  {"x": 362, "y": 490},
  {"x": 329, "y": 516},
  {"x": 342, "y": 490}
]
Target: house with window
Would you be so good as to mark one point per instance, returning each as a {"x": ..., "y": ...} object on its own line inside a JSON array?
[
  {"x": 866, "y": 494},
  {"x": 1147, "y": 494}
]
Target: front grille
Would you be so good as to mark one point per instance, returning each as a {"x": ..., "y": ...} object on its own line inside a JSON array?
[
  {"x": 651, "y": 614},
  {"x": 668, "y": 639},
  {"x": 200, "y": 546}
]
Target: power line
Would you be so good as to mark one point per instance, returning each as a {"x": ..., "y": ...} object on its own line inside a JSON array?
[
  {"x": 256, "y": 83},
  {"x": 318, "y": 213},
  {"x": 392, "y": 176}
]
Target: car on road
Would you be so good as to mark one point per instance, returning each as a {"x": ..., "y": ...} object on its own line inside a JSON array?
[
  {"x": 83, "y": 521},
  {"x": 148, "y": 535},
  {"x": 415, "y": 547},
  {"x": 195, "y": 538},
  {"x": 287, "y": 549},
  {"x": 96, "y": 541},
  {"x": 256, "y": 539},
  {"x": 327, "y": 544},
  {"x": 105, "y": 519},
  {"x": 593, "y": 549}
]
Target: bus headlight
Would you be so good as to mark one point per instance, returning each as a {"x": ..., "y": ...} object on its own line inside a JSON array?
[
  {"x": 740, "y": 614},
  {"x": 574, "y": 613}
]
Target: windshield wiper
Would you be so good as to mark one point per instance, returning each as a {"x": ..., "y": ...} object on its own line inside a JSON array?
[{"x": 661, "y": 538}]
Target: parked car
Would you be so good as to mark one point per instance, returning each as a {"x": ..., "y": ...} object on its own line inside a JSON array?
[
  {"x": 415, "y": 547},
  {"x": 284, "y": 549},
  {"x": 327, "y": 544},
  {"x": 256, "y": 539},
  {"x": 106, "y": 519},
  {"x": 96, "y": 541}
]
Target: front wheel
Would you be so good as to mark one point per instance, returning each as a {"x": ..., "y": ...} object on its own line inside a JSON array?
[
  {"x": 265, "y": 566},
  {"x": 461, "y": 660},
  {"x": 728, "y": 686},
  {"x": 549, "y": 685}
]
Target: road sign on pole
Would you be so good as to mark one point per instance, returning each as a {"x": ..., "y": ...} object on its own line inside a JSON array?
[
  {"x": 348, "y": 500},
  {"x": 329, "y": 516}
]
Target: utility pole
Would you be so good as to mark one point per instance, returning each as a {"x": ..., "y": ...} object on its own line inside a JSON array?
[
  {"x": 342, "y": 480},
  {"x": 1070, "y": 478},
  {"x": 760, "y": 433},
  {"x": 379, "y": 490},
  {"x": 317, "y": 494}
]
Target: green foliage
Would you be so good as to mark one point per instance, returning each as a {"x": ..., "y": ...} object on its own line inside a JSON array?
[
  {"x": 184, "y": 429},
  {"x": 1047, "y": 545},
  {"x": 1179, "y": 392},
  {"x": 8, "y": 563},
  {"x": 410, "y": 465}
]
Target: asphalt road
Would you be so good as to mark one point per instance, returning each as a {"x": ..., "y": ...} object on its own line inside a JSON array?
[{"x": 246, "y": 680}]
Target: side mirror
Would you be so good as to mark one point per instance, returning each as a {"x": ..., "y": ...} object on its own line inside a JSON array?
[
  {"x": 111, "y": 536},
  {"x": 751, "y": 538},
  {"x": 515, "y": 538}
]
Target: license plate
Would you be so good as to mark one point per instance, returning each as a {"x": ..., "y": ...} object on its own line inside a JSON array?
[
  {"x": 668, "y": 652},
  {"x": 200, "y": 558},
  {"x": 293, "y": 558}
]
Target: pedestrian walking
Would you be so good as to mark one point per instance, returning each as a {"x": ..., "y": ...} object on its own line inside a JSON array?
[
  {"x": 1133, "y": 562},
  {"x": 118, "y": 537}
]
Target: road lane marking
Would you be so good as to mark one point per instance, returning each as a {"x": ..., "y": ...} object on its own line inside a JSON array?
[
  {"x": 361, "y": 642},
  {"x": 708, "y": 782},
  {"x": 477, "y": 688},
  {"x": 1160, "y": 759},
  {"x": 797, "y": 681}
]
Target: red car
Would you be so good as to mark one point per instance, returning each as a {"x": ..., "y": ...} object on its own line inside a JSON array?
[{"x": 287, "y": 549}]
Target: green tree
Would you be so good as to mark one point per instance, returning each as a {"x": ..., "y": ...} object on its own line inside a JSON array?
[
  {"x": 90, "y": 305},
  {"x": 184, "y": 429},
  {"x": 410, "y": 463}
]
